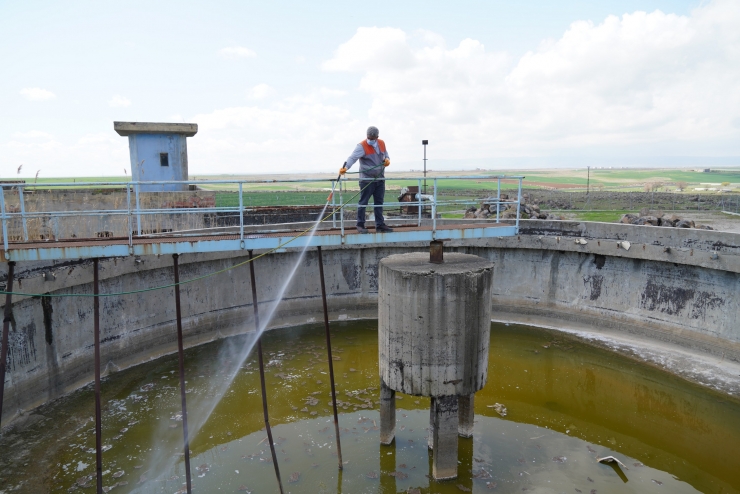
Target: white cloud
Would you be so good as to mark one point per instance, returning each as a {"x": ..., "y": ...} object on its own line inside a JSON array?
[
  {"x": 300, "y": 132},
  {"x": 641, "y": 79},
  {"x": 32, "y": 135},
  {"x": 262, "y": 91},
  {"x": 234, "y": 52},
  {"x": 37, "y": 94},
  {"x": 118, "y": 101}
]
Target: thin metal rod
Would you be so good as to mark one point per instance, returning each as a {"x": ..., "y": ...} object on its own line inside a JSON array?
[
  {"x": 418, "y": 196},
  {"x": 498, "y": 201},
  {"x": 518, "y": 205},
  {"x": 138, "y": 210},
  {"x": 341, "y": 211},
  {"x": 130, "y": 224},
  {"x": 23, "y": 214},
  {"x": 5, "y": 220},
  {"x": 425, "y": 168},
  {"x": 6, "y": 327},
  {"x": 262, "y": 373},
  {"x": 434, "y": 210},
  {"x": 98, "y": 418},
  {"x": 241, "y": 213},
  {"x": 331, "y": 363},
  {"x": 181, "y": 358}
]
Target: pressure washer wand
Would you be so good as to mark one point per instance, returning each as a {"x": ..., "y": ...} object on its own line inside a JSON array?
[{"x": 331, "y": 194}]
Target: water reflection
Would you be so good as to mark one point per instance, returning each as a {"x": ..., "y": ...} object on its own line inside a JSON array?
[{"x": 567, "y": 403}]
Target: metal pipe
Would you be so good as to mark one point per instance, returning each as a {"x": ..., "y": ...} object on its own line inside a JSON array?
[
  {"x": 6, "y": 327},
  {"x": 129, "y": 223},
  {"x": 138, "y": 209},
  {"x": 241, "y": 212},
  {"x": 341, "y": 211},
  {"x": 98, "y": 418},
  {"x": 333, "y": 208},
  {"x": 419, "y": 207},
  {"x": 5, "y": 220},
  {"x": 120, "y": 185},
  {"x": 262, "y": 372},
  {"x": 181, "y": 358},
  {"x": 434, "y": 209},
  {"x": 23, "y": 214},
  {"x": 518, "y": 205},
  {"x": 331, "y": 363},
  {"x": 498, "y": 202}
]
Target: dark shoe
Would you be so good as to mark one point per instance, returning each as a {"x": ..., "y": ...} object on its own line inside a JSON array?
[
  {"x": 383, "y": 228},
  {"x": 361, "y": 229}
]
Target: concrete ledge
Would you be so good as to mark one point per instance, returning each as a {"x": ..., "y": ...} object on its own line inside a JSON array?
[{"x": 130, "y": 128}]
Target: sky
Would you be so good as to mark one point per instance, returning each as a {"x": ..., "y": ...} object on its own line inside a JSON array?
[{"x": 291, "y": 86}]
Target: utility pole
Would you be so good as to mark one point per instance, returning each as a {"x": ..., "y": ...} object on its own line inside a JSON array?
[{"x": 424, "y": 143}]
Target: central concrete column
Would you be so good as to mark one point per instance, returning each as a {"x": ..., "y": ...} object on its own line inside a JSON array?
[{"x": 434, "y": 322}]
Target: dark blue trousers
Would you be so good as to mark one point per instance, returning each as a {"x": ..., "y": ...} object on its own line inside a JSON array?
[{"x": 377, "y": 191}]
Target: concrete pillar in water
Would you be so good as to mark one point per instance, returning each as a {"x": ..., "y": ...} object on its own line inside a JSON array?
[
  {"x": 434, "y": 325},
  {"x": 387, "y": 414},
  {"x": 466, "y": 415}
]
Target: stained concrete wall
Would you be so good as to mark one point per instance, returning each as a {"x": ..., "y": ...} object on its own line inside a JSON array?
[{"x": 688, "y": 295}]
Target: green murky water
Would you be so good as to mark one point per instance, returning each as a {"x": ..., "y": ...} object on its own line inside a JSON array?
[{"x": 567, "y": 404}]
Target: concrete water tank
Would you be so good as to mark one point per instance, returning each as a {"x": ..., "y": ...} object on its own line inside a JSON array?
[{"x": 434, "y": 325}]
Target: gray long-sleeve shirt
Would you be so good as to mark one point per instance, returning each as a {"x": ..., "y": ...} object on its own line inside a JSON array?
[{"x": 370, "y": 165}]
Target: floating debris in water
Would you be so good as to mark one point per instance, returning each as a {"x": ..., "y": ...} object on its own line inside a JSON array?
[
  {"x": 491, "y": 485},
  {"x": 482, "y": 474},
  {"x": 118, "y": 474},
  {"x": 499, "y": 408},
  {"x": 559, "y": 459},
  {"x": 399, "y": 475},
  {"x": 610, "y": 459},
  {"x": 657, "y": 481},
  {"x": 463, "y": 488},
  {"x": 372, "y": 475},
  {"x": 294, "y": 477}
]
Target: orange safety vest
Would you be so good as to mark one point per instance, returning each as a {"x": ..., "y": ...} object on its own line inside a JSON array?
[{"x": 370, "y": 150}]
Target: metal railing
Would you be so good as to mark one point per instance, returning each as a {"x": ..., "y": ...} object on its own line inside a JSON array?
[{"x": 62, "y": 220}]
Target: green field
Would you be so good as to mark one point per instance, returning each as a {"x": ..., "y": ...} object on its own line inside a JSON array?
[{"x": 569, "y": 180}]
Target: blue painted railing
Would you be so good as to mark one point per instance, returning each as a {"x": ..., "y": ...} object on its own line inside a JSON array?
[{"x": 133, "y": 212}]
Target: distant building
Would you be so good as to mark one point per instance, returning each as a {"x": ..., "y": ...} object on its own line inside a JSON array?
[{"x": 158, "y": 152}]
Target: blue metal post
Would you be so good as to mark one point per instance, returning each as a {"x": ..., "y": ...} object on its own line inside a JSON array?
[
  {"x": 333, "y": 207},
  {"x": 129, "y": 222},
  {"x": 138, "y": 214},
  {"x": 498, "y": 201},
  {"x": 5, "y": 221},
  {"x": 518, "y": 205},
  {"x": 23, "y": 214},
  {"x": 241, "y": 213},
  {"x": 418, "y": 197},
  {"x": 341, "y": 211},
  {"x": 434, "y": 212}
]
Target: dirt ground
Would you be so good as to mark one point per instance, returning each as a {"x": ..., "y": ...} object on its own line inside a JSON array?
[{"x": 715, "y": 219}]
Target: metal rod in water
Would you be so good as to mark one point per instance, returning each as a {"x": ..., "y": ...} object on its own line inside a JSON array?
[
  {"x": 98, "y": 419},
  {"x": 331, "y": 363},
  {"x": 262, "y": 373},
  {"x": 6, "y": 328},
  {"x": 181, "y": 357}
]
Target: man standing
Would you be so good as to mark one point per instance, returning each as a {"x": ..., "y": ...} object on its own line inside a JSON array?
[{"x": 373, "y": 158}]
